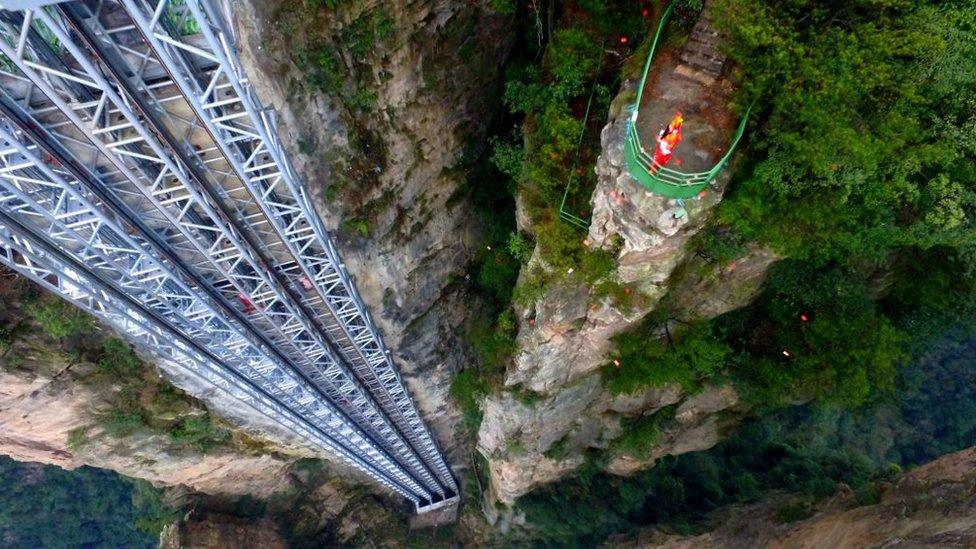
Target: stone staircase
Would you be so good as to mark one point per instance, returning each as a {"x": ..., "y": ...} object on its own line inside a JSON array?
[{"x": 701, "y": 59}]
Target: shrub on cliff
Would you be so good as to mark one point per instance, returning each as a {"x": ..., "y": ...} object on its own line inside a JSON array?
[
  {"x": 642, "y": 358},
  {"x": 118, "y": 359},
  {"x": 58, "y": 318}
]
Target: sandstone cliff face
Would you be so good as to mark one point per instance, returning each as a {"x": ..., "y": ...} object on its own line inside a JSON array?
[
  {"x": 45, "y": 396},
  {"x": 382, "y": 166},
  {"x": 565, "y": 337},
  {"x": 932, "y": 506},
  {"x": 214, "y": 531}
]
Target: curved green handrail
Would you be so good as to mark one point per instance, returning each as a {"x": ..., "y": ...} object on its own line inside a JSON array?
[{"x": 660, "y": 179}]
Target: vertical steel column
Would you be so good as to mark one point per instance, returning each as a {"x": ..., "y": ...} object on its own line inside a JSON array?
[
  {"x": 245, "y": 134},
  {"x": 106, "y": 194},
  {"x": 57, "y": 211}
]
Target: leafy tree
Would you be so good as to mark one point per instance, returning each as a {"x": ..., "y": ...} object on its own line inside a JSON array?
[
  {"x": 118, "y": 359},
  {"x": 815, "y": 333},
  {"x": 865, "y": 143},
  {"x": 644, "y": 359},
  {"x": 46, "y": 506},
  {"x": 199, "y": 432}
]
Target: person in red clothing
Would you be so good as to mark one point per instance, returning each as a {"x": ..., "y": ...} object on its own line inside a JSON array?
[{"x": 667, "y": 140}]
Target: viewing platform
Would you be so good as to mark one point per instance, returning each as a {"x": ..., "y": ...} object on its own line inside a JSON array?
[{"x": 690, "y": 81}]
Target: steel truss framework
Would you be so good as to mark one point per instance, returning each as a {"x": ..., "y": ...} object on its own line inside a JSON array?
[{"x": 141, "y": 179}]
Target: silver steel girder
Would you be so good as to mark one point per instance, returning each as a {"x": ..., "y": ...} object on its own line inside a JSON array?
[
  {"x": 340, "y": 389},
  {"x": 245, "y": 136},
  {"x": 53, "y": 209},
  {"x": 212, "y": 230},
  {"x": 41, "y": 262},
  {"x": 271, "y": 294}
]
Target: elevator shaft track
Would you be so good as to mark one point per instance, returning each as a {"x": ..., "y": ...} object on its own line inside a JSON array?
[{"x": 142, "y": 180}]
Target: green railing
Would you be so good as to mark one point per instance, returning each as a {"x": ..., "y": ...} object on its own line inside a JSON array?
[
  {"x": 657, "y": 178},
  {"x": 565, "y": 214}
]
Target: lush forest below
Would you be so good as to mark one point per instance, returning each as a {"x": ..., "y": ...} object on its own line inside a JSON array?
[
  {"x": 805, "y": 451},
  {"x": 46, "y": 506}
]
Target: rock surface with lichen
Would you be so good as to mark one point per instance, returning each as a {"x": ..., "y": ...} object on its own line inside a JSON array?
[{"x": 379, "y": 138}]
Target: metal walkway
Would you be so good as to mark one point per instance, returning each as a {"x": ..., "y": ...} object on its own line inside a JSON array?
[{"x": 142, "y": 179}]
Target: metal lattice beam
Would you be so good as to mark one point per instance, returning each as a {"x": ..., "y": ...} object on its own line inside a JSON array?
[
  {"x": 138, "y": 162},
  {"x": 56, "y": 210},
  {"x": 246, "y": 137}
]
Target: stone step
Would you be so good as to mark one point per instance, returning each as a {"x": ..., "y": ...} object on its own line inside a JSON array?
[
  {"x": 710, "y": 65},
  {"x": 702, "y": 50},
  {"x": 709, "y": 37},
  {"x": 696, "y": 75}
]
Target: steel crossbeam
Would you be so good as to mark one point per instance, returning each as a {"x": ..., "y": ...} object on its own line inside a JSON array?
[
  {"x": 133, "y": 144},
  {"x": 245, "y": 135},
  {"x": 58, "y": 210},
  {"x": 41, "y": 263}
]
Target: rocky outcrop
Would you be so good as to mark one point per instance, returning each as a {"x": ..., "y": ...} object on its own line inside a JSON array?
[
  {"x": 44, "y": 397},
  {"x": 378, "y": 104},
  {"x": 561, "y": 351},
  {"x": 217, "y": 531},
  {"x": 571, "y": 335},
  {"x": 932, "y": 506},
  {"x": 564, "y": 338}
]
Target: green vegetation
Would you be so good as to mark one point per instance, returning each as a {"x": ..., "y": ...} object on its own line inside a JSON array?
[
  {"x": 558, "y": 450},
  {"x": 846, "y": 350},
  {"x": 689, "y": 356},
  {"x": 361, "y": 36},
  {"x": 504, "y": 6},
  {"x": 802, "y": 451},
  {"x": 118, "y": 359},
  {"x": 862, "y": 149},
  {"x": 491, "y": 276},
  {"x": 328, "y": 4},
  {"x": 319, "y": 59},
  {"x": 58, "y": 318},
  {"x": 199, "y": 432},
  {"x": 138, "y": 398},
  {"x": 46, "y": 506},
  {"x": 467, "y": 389},
  {"x": 794, "y": 511},
  {"x": 356, "y": 226},
  {"x": 638, "y": 435},
  {"x": 520, "y": 247},
  {"x": 77, "y": 439},
  {"x": 860, "y": 171},
  {"x": 321, "y": 67},
  {"x": 559, "y": 96},
  {"x": 148, "y": 403},
  {"x": 142, "y": 400},
  {"x": 813, "y": 332}
]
